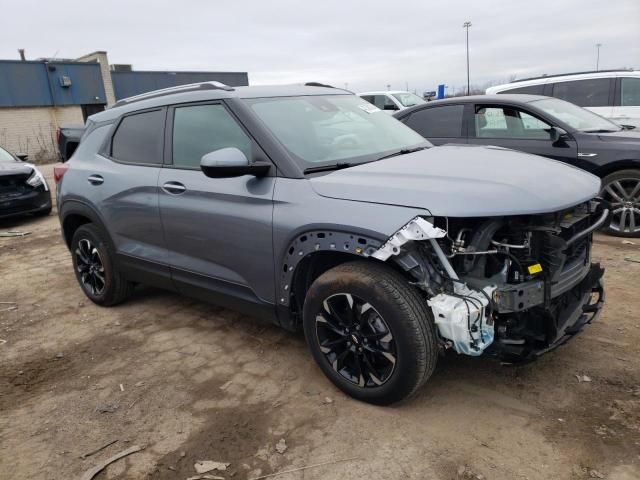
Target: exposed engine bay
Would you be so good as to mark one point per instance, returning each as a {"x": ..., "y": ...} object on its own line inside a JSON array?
[{"x": 514, "y": 287}]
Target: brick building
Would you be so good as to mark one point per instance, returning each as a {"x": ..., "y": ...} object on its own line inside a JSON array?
[{"x": 37, "y": 97}]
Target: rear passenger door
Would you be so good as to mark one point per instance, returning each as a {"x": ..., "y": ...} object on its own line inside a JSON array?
[
  {"x": 124, "y": 182},
  {"x": 511, "y": 127},
  {"x": 218, "y": 230},
  {"x": 439, "y": 125}
]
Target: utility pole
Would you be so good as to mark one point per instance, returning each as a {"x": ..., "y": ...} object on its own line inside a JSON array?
[
  {"x": 388, "y": 87},
  {"x": 598, "y": 45},
  {"x": 466, "y": 25}
]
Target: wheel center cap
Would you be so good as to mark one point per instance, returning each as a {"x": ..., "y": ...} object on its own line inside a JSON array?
[
  {"x": 355, "y": 339},
  {"x": 628, "y": 205}
]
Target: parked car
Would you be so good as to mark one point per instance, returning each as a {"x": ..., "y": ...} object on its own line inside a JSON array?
[
  {"x": 549, "y": 127},
  {"x": 23, "y": 189},
  {"x": 613, "y": 94},
  {"x": 392, "y": 101},
  {"x": 310, "y": 207},
  {"x": 68, "y": 140}
]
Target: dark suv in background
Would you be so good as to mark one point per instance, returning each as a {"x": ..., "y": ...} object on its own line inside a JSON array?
[
  {"x": 311, "y": 207},
  {"x": 549, "y": 127}
]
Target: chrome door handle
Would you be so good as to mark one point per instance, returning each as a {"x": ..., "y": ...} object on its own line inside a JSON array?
[
  {"x": 95, "y": 179},
  {"x": 174, "y": 188}
]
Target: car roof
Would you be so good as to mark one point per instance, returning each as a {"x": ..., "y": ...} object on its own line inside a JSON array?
[
  {"x": 210, "y": 91},
  {"x": 564, "y": 77}
]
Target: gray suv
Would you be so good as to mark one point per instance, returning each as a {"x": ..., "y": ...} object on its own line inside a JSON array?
[{"x": 309, "y": 206}]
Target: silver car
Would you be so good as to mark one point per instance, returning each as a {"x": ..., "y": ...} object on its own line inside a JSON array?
[{"x": 308, "y": 206}]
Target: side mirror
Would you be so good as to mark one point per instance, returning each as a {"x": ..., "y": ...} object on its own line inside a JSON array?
[
  {"x": 390, "y": 106},
  {"x": 558, "y": 134},
  {"x": 22, "y": 156},
  {"x": 231, "y": 162},
  {"x": 628, "y": 127}
]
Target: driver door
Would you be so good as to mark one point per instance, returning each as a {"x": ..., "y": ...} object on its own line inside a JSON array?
[{"x": 217, "y": 230}]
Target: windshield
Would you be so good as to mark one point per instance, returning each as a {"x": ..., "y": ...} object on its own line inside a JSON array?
[
  {"x": 6, "y": 156},
  {"x": 330, "y": 128},
  {"x": 408, "y": 99},
  {"x": 576, "y": 117}
]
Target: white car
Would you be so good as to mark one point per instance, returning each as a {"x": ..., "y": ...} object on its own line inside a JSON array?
[
  {"x": 392, "y": 101},
  {"x": 613, "y": 94}
]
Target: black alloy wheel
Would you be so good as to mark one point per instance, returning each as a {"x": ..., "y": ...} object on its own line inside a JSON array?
[
  {"x": 355, "y": 340},
  {"x": 90, "y": 267}
]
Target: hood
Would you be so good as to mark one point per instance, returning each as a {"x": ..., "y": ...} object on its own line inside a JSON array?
[
  {"x": 15, "y": 168},
  {"x": 464, "y": 181},
  {"x": 624, "y": 136}
]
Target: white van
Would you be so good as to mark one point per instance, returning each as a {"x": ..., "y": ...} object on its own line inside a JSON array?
[{"x": 613, "y": 94}]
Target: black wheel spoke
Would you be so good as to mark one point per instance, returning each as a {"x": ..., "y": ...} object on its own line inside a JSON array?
[
  {"x": 355, "y": 340},
  {"x": 89, "y": 267}
]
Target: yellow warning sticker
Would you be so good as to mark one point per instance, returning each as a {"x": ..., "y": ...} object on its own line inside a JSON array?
[{"x": 535, "y": 268}]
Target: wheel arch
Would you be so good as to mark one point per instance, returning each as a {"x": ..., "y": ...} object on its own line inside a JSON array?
[
  {"x": 618, "y": 165},
  {"x": 74, "y": 214}
]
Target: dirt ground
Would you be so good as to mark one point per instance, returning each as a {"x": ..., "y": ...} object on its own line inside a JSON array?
[{"x": 191, "y": 382}]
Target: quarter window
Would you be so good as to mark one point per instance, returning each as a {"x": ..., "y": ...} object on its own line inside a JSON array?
[
  {"x": 139, "y": 138},
  {"x": 200, "y": 129},
  {"x": 530, "y": 90},
  {"x": 584, "y": 93},
  {"x": 438, "y": 122},
  {"x": 506, "y": 122},
  {"x": 630, "y": 92}
]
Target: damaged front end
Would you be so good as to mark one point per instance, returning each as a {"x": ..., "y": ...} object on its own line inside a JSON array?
[{"x": 514, "y": 287}]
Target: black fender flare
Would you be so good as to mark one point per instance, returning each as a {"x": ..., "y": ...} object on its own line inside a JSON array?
[
  {"x": 356, "y": 242},
  {"x": 78, "y": 207}
]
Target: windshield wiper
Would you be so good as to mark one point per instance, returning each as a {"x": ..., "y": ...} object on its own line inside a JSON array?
[
  {"x": 327, "y": 168},
  {"x": 404, "y": 151}
]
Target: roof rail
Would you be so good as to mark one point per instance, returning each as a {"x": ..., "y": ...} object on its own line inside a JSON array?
[
  {"x": 573, "y": 73},
  {"x": 190, "y": 87}
]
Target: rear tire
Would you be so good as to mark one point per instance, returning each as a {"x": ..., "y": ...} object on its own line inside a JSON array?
[
  {"x": 622, "y": 190},
  {"x": 94, "y": 266},
  {"x": 363, "y": 314}
]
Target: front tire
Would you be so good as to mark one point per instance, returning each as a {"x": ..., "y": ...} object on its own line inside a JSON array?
[
  {"x": 622, "y": 190},
  {"x": 370, "y": 332},
  {"x": 94, "y": 266}
]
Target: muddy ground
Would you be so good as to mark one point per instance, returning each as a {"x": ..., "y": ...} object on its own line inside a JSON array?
[{"x": 191, "y": 381}]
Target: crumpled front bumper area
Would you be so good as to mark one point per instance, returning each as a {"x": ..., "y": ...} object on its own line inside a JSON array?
[{"x": 524, "y": 336}]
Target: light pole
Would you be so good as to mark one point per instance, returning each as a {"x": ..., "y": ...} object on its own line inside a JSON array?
[
  {"x": 467, "y": 25},
  {"x": 598, "y": 45}
]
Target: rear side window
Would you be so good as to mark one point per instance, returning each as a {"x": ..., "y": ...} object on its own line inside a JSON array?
[
  {"x": 530, "y": 90},
  {"x": 139, "y": 138},
  {"x": 584, "y": 93},
  {"x": 630, "y": 92},
  {"x": 442, "y": 122},
  {"x": 201, "y": 129}
]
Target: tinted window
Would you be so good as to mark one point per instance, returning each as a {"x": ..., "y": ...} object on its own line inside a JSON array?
[
  {"x": 202, "y": 129},
  {"x": 530, "y": 90},
  {"x": 507, "y": 122},
  {"x": 443, "y": 122},
  {"x": 630, "y": 92},
  {"x": 139, "y": 138},
  {"x": 584, "y": 93}
]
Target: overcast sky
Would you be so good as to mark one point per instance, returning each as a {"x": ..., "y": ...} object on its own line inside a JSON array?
[{"x": 365, "y": 44}]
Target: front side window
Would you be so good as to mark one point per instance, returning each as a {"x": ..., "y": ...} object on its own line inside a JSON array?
[
  {"x": 508, "y": 122},
  {"x": 584, "y": 93},
  {"x": 139, "y": 138},
  {"x": 200, "y": 129},
  {"x": 630, "y": 92},
  {"x": 438, "y": 122},
  {"x": 328, "y": 128},
  {"x": 574, "y": 116},
  {"x": 407, "y": 99}
]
